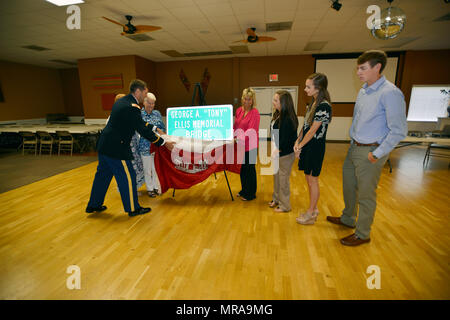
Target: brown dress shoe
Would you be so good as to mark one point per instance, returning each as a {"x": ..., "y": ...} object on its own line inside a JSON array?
[
  {"x": 337, "y": 220},
  {"x": 353, "y": 240}
]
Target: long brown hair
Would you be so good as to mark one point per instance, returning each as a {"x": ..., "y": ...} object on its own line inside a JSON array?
[
  {"x": 287, "y": 111},
  {"x": 320, "y": 82}
]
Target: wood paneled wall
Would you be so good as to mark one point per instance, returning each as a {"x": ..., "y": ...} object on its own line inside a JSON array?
[
  {"x": 29, "y": 92},
  {"x": 89, "y": 68},
  {"x": 66, "y": 91},
  {"x": 425, "y": 67},
  {"x": 71, "y": 90}
]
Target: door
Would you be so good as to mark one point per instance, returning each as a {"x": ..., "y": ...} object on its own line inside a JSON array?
[
  {"x": 264, "y": 97},
  {"x": 264, "y": 105}
]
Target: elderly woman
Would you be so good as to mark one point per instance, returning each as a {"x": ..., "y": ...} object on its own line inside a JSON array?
[{"x": 152, "y": 116}]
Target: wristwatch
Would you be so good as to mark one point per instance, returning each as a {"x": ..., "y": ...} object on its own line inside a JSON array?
[{"x": 374, "y": 156}]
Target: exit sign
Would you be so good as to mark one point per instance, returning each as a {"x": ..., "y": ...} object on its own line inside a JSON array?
[{"x": 273, "y": 77}]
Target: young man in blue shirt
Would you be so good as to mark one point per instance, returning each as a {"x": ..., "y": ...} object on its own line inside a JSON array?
[{"x": 379, "y": 124}]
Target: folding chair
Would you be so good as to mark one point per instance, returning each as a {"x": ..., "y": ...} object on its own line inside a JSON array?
[
  {"x": 46, "y": 142},
  {"x": 65, "y": 142},
  {"x": 29, "y": 141}
]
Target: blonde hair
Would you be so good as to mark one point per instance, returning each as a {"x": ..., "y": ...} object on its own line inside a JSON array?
[
  {"x": 249, "y": 93},
  {"x": 120, "y": 95}
]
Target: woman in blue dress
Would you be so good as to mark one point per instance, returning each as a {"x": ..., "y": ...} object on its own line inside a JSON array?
[{"x": 152, "y": 116}]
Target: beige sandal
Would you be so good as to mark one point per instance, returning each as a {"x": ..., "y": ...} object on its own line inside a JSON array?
[
  {"x": 307, "y": 218},
  {"x": 272, "y": 204}
]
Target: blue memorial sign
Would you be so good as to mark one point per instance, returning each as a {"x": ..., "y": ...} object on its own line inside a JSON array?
[{"x": 201, "y": 122}]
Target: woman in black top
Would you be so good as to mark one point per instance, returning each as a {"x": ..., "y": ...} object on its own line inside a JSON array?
[
  {"x": 284, "y": 133},
  {"x": 310, "y": 145}
]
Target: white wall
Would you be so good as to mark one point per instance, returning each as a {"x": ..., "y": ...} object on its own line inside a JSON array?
[{"x": 95, "y": 121}]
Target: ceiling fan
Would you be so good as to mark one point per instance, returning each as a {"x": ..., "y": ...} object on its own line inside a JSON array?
[
  {"x": 129, "y": 28},
  {"x": 253, "y": 38}
]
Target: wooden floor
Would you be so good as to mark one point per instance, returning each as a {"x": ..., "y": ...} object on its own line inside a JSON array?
[{"x": 201, "y": 245}]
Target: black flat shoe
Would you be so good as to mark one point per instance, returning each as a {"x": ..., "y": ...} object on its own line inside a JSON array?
[
  {"x": 139, "y": 211},
  {"x": 95, "y": 209}
]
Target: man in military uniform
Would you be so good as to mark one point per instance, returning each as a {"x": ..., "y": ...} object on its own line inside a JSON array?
[{"x": 114, "y": 152}]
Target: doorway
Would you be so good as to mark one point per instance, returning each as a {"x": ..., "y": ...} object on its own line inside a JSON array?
[{"x": 264, "y": 97}]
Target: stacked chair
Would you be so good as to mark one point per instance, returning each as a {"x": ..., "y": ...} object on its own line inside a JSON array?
[
  {"x": 65, "y": 141},
  {"x": 29, "y": 141},
  {"x": 46, "y": 142}
]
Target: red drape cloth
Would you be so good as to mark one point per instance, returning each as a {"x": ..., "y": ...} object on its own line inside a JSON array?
[{"x": 184, "y": 169}]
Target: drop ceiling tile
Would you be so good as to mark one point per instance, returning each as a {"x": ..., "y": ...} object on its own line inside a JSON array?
[
  {"x": 198, "y": 24},
  {"x": 278, "y": 34},
  {"x": 248, "y": 7},
  {"x": 301, "y": 24},
  {"x": 279, "y": 16},
  {"x": 114, "y": 8},
  {"x": 252, "y": 19},
  {"x": 307, "y": 31},
  {"x": 216, "y": 10},
  {"x": 207, "y": 2},
  {"x": 310, "y": 14},
  {"x": 144, "y": 5},
  {"x": 187, "y": 13},
  {"x": 178, "y": 3},
  {"x": 224, "y": 21},
  {"x": 57, "y": 14},
  {"x": 281, "y": 5}
]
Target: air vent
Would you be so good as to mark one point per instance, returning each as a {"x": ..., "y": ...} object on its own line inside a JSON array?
[
  {"x": 139, "y": 37},
  {"x": 172, "y": 53},
  {"x": 443, "y": 18},
  {"x": 70, "y": 63},
  {"x": 212, "y": 53},
  {"x": 315, "y": 45},
  {"x": 239, "y": 49},
  {"x": 35, "y": 48},
  {"x": 279, "y": 26}
]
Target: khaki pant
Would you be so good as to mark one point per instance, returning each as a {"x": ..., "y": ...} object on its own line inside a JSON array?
[
  {"x": 360, "y": 181},
  {"x": 281, "y": 182}
]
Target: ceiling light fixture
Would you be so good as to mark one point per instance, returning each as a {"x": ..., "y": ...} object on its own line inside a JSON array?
[
  {"x": 60, "y": 3},
  {"x": 336, "y": 5},
  {"x": 392, "y": 22}
]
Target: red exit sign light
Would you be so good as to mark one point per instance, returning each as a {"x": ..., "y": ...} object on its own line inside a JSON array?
[{"x": 273, "y": 77}]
